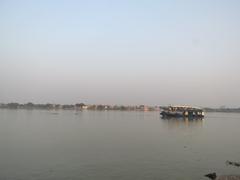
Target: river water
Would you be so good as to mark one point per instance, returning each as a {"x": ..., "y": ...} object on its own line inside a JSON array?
[{"x": 115, "y": 145}]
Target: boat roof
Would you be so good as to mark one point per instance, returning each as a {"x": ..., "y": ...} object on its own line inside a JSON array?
[{"x": 185, "y": 107}]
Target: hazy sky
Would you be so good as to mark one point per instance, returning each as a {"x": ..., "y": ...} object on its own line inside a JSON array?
[{"x": 120, "y": 52}]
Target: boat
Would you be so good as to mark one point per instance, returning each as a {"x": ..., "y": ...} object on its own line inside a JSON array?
[{"x": 182, "y": 112}]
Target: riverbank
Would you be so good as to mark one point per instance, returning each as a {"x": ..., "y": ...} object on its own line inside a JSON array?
[{"x": 83, "y": 106}]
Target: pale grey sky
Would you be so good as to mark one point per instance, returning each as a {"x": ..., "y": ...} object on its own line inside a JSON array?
[{"x": 125, "y": 52}]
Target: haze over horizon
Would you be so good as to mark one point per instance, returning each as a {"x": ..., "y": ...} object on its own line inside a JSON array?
[{"x": 121, "y": 52}]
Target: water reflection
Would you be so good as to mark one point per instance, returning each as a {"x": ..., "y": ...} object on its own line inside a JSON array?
[{"x": 183, "y": 122}]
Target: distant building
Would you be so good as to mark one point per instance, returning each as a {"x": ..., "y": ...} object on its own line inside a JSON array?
[
  {"x": 143, "y": 108},
  {"x": 85, "y": 107}
]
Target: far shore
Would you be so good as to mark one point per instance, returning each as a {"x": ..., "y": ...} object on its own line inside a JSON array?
[{"x": 82, "y": 106}]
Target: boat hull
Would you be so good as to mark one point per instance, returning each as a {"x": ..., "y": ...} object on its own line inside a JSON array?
[{"x": 166, "y": 114}]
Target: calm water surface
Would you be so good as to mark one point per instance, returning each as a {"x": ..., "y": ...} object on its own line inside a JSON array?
[{"x": 106, "y": 145}]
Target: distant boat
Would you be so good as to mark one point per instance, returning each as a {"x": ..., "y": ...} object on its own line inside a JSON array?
[
  {"x": 214, "y": 176},
  {"x": 182, "y": 111}
]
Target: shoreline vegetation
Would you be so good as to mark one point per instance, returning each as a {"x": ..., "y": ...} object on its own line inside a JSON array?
[{"x": 82, "y": 106}]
